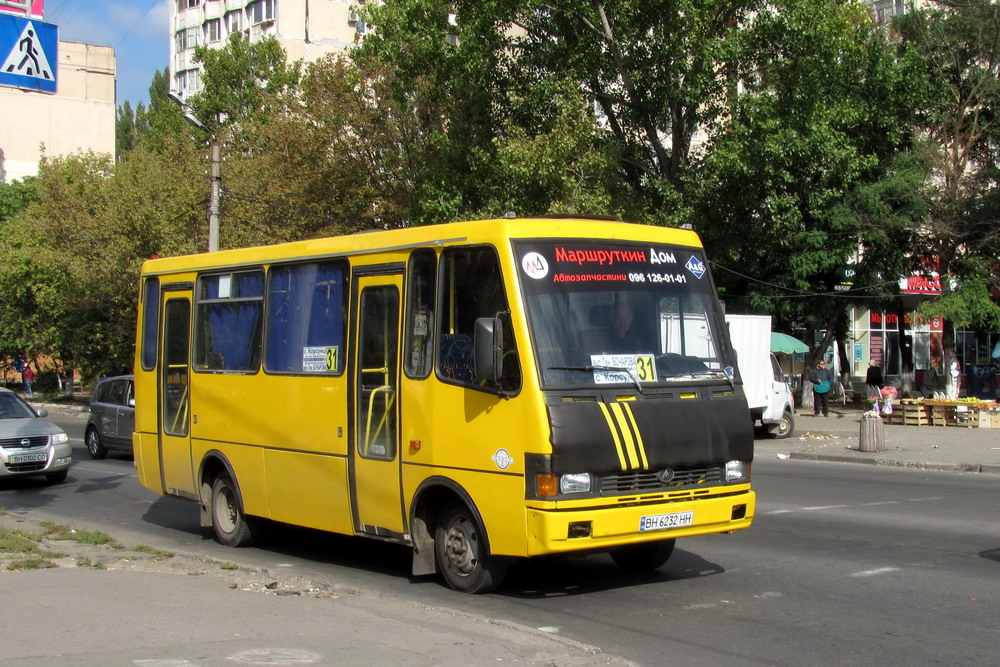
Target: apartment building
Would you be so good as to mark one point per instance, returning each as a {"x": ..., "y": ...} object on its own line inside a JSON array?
[
  {"x": 306, "y": 29},
  {"x": 79, "y": 117}
]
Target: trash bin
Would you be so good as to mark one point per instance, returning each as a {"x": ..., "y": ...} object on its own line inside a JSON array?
[{"x": 872, "y": 437}]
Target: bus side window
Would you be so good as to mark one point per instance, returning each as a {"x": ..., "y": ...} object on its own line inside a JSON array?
[
  {"x": 150, "y": 321},
  {"x": 472, "y": 287},
  {"x": 306, "y": 318},
  {"x": 419, "y": 352},
  {"x": 229, "y": 322}
]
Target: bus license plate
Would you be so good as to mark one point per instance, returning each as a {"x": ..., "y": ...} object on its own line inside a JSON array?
[
  {"x": 665, "y": 521},
  {"x": 27, "y": 458}
]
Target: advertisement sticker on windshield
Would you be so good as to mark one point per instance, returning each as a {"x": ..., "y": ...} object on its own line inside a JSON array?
[
  {"x": 535, "y": 265},
  {"x": 597, "y": 266},
  {"x": 696, "y": 267}
]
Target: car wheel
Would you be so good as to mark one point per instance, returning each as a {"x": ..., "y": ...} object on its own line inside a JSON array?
[
  {"x": 643, "y": 557},
  {"x": 232, "y": 527},
  {"x": 783, "y": 428},
  {"x": 463, "y": 557},
  {"x": 95, "y": 447},
  {"x": 57, "y": 477}
]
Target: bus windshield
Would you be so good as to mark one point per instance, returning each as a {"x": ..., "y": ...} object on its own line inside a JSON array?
[{"x": 612, "y": 313}]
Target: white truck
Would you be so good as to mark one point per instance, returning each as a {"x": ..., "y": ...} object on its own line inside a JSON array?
[{"x": 768, "y": 394}]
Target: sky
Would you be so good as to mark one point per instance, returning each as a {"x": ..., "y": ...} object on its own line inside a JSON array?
[{"x": 137, "y": 29}]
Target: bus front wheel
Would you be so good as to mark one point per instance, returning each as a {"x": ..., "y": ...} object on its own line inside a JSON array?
[
  {"x": 643, "y": 557},
  {"x": 462, "y": 553},
  {"x": 232, "y": 527}
]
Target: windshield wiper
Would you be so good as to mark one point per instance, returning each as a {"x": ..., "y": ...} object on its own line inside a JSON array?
[
  {"x": 607, "y": 369},
  {"x": 700, "y": 373}
]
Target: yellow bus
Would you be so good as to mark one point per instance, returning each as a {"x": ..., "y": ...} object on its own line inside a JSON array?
[{"x": 480, "y": 391}]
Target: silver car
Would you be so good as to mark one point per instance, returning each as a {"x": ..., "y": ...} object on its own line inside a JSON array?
[
  {"x": 30, "y": 445},
  {"x": 112, "y": 417}
]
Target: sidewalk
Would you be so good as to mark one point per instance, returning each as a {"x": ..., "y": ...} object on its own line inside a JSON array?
[{"x": 835, "y": 438}]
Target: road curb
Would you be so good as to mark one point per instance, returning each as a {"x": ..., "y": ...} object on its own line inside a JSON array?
[{"x": 898, "y": 463}]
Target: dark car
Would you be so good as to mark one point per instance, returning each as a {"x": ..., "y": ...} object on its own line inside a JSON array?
[{"x": 112, "y": 417}]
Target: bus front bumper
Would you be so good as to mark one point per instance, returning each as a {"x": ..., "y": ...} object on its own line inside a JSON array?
[{"x": 564, "y": 529}]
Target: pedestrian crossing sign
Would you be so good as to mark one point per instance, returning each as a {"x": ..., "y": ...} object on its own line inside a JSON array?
[{"x": 28, "y": 53}]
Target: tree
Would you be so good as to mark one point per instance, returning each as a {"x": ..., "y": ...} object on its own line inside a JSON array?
[
  {"x": 960, "y": 141},
  {"x": 807, "y": 174},
  {"x": 15, "y": 197},
  {"x": 69, "y": 266},
  {"x": 242, "y": 81},
  {"x": 163, "y": 118}
]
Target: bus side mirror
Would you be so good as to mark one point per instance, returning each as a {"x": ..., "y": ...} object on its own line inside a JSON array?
[{"x": 489, "y": 348}]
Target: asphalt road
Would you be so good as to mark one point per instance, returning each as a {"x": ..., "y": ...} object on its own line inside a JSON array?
[{"x": 845, "y": 564}]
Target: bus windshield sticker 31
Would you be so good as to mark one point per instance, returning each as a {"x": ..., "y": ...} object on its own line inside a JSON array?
[{"x": 479, "y": 391}]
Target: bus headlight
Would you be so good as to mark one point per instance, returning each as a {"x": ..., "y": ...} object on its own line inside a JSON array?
[
  {"x": 737, "y": 471},
  {"x": 578, "y": 482}
]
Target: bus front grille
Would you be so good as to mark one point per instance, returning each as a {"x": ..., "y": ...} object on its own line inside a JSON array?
[{"x": 648, "y": 481}]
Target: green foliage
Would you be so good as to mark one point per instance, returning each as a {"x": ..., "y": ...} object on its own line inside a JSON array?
[
  {"x": 164, "y": 119},
  {"x": 969, "y": 304},
  {"x": 793, "y": 135},
  {"x": 807, "y": 165},
  {"x": 565, "y": 168},
  {"x": 69, "y": 265},
  {"x": 242, "y": 82},
  {"x": 957, "y": 47},
  {"x": 15, "y": 197}
]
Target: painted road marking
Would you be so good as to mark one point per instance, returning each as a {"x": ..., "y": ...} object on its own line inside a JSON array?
[{"x": 876, "y": 571}]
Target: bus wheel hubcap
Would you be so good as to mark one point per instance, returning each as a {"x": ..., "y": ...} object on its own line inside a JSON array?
[{"x": 461, "y": 548}]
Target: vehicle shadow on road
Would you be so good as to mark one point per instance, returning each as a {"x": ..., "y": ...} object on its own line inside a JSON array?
[
  {"x": 555, "y": 576},
  {"x": 541, "y": 577}
]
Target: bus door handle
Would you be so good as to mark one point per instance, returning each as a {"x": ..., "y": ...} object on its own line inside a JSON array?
[{"x": 391, "y": 396}]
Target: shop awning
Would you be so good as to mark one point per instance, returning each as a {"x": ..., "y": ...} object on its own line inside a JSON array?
[{"x": 786, "y": 344}]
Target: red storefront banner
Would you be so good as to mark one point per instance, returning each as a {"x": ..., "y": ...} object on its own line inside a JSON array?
[{"x": 920, "y": 283}]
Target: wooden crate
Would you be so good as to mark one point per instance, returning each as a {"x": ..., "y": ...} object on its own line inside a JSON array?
[
  {"x": 915, "y": 415},
  {"x": 910, "y": 414},
  {"x": 939, "y": 415},
  {"x": 963, "y": 415}
]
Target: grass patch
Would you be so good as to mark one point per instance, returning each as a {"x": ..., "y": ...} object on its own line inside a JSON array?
[
  {"x": 34, "y": 563},
  {"x": 55, "y": 531},
  {"x": 159, "y": 554},
  {"x": 229, "y": 566},
  {"x": 32, "y": 535},
  {"x": 11, "y": 542}
]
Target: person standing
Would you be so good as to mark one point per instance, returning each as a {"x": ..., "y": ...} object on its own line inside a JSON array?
[
  {"x": 28, "y": 376},
  {"x": 822, "y": 381},
  {"x": 874, "y": 381}
]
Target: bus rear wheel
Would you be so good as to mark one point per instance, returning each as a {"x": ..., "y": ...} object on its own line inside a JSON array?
[
  {"x": 643, "y": 557},
  {"x": 232, "y": 527},
  {"x": 462, "y": 554}
]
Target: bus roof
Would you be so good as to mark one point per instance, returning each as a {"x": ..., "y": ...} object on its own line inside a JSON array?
[{"x": 379, "y": 241}]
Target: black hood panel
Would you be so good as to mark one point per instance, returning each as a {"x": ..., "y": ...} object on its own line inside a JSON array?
[{"x": 651, "y": 434}]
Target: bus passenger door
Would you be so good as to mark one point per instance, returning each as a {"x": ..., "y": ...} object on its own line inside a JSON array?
[
  {"x": 174, "y": 396},
  {"x": 375, "y": 464}
]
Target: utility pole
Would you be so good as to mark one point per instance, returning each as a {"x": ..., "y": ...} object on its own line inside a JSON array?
[
  {"x": 216, "y": 177},
  {"x": 213, "y": 200}
]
